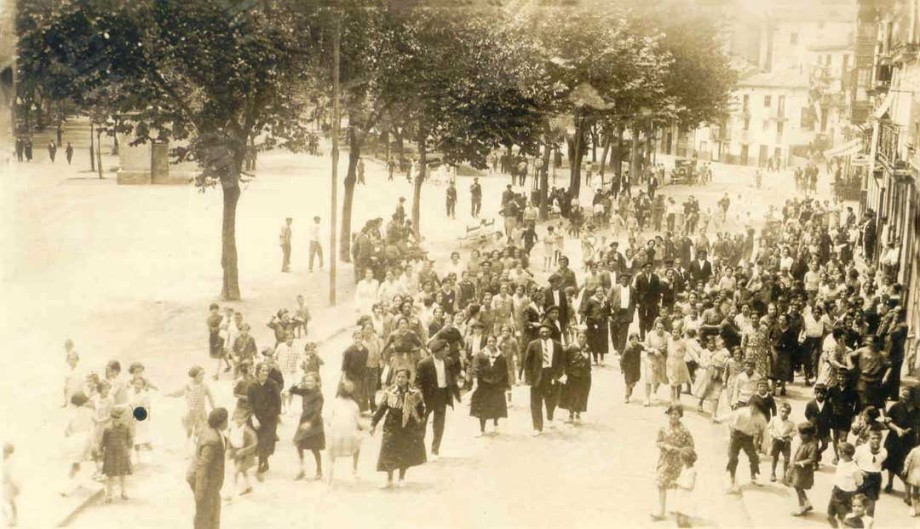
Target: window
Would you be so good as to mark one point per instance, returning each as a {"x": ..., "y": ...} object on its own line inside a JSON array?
[
  {"x": 745, "y": 104},
  {"x": 793, "y": 38},
  {"x": 828, "y": 59},
  {"x": 844, "y": 65},
  {"x": 747, "y": 123},
  {"x": 780, "y": 106},
  {"x": 767, "y": 101},
  {"x": 779, "y": 132}
]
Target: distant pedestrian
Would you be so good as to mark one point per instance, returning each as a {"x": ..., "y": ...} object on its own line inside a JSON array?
[
  {"x": 284, "y": 238},
  {"x": 452, "y": 200},
  {"x": 52, "y": 150},
  {"x": 69, "y": 152},
  {"x": 20, "y": 148},
  {"x": 316, "y": 247},
  {"x": 28, "y": 148},
  {"x": 391, "y": 168},
  {"x": 476, "y": 197},
  {"x": 206, "y": 474}
]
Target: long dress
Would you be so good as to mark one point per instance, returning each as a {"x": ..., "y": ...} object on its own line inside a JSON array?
[
  {"x": 903, "y": 417},
  {"x": 630, "y": 364},
  {"x": 596, "y": 317},
  {"x": 116, "y": 449},
  {"x": 342, "y": 434},
  {"x": 310, "y": 434},
  {"x": 403, "y": 444},
  {"x": 491, "y": 375},
  {"x": 676, "y": 366},
  {"x": 757, "y": 350},
  {"x": 574, "y": 394},
  {"x": 710, "y": 384},
  {"x": 670, "y": 461},
  {"x": 265, "y": 400},
  {"x": 785, "y": 344},
  {"x": 137, "y": 400},
  {"x": 354, "y": 365}
]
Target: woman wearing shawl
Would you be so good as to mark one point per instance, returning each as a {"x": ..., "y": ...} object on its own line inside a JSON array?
[{"x": 403, "y": 443}]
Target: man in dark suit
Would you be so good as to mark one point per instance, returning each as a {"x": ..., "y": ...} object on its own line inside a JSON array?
[
  {"x": 648, "y": 296},
  {"x": 555, "y": 296},
  {"x": 533, "y": 318},
  {"x": 543, "y": 364},
  {"x": 436, "y": 381},
  {"x": 700, "y": 270},
  {"x": 622, "y": 309},
  {"x": 206, "y": 474}
]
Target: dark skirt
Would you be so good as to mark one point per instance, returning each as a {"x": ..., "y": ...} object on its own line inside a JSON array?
[
  {"x": 898, "y": 448},
  {"x": 488, "y": 402},
  {"x": 630, "y": 365},
  {"x": 360, "y": 392},
  {"x": 782, "y": 366},
  {"x": 268, "y": 436},
  {"x": 574, "y": 395},
  {"x": 597, "y": 337},
  {"x": 401, "y": 447},
  {"x": 310, "y": 439}
]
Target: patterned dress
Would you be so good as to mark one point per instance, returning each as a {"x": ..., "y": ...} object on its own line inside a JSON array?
[
  {"x": 116, "y": 447},
  {"x": 669, "y": 461},
  {"x": 756, "y": 349}
]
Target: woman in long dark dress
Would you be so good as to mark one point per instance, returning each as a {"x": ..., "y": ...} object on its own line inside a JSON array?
[
  {"x": 596, "y": 314},
  {"x": 403, "y": 444},
  {"x": 903, "y": 421},
  {"x": 574, "y": 395},
  {"x": 354, "y": 369},
  {"x": 310, "y": 434},
  {"x": 631, "y": 363},
  {"x": 490, "y": 381},
  {"x": 265, "y": 401},
  {"x": 785, "y": 344}
]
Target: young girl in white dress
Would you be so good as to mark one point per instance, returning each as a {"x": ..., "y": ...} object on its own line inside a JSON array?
[
  {"x": 683, "y": 502},
  {"x": 343, "y": 430}
]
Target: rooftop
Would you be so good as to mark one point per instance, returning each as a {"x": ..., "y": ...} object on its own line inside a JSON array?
[{"x": 786, "y": 78}]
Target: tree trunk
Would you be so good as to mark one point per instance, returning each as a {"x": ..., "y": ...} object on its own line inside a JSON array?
[
  {"x": 579, "y": 152},
  {"x": 400, "y": 148},
  {"x": 228, "y": 255},
  {"x": 511, "y": 164},
  {"x": 594, "y": 134},
  {"x": 604, "y": 158},
  {"x": 351, "y": 178},
  {"x": 419, "y": 179},
  {"x": 92, "y": 152},
  {"x": 617, "y": 155},
  {"x": 544, "y": 175},
  {"x": 635, "y": 157},
  {"x": 385, "y": 138},
  {"x": 99, "y": 151}
]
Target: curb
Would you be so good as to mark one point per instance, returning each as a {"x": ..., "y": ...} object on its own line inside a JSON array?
[{"x": 98, "y": 492}]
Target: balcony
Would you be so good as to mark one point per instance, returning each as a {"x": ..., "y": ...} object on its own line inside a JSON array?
[
  {"x": 904, "y": 52},
  {"x": 859, "y": 111}
]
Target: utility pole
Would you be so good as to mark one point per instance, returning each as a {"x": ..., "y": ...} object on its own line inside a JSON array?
[{"x": 336, "y": 117}]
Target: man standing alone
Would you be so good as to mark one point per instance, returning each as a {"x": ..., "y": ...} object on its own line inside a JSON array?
[
  {"x": 452, "y": 201},
  {"x": 206, "y": 475},
  {"x": 285, "y": 240},
  {"x": 476, "y": 197},
  {"x": 316, "y": 247}
]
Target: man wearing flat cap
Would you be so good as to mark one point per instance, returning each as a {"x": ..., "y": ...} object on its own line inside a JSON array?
[
  {"x": 543, "y": 362},
  {"x": 436, "y": 381},
  {"x": 648, "y": 297}
]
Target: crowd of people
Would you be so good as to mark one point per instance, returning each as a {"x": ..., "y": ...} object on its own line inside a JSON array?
[{"x": 726, "y": 321}]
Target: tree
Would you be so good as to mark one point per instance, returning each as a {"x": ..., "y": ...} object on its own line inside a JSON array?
[
  {"x": 608, "y": 67},
  {"x": 449, "y": 82},
  {"x": 210, "y": 74}
]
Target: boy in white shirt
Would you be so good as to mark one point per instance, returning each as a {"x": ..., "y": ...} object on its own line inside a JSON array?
[
  {"x": 847, "y": 479},
  {"x": 781, "y": 430}
]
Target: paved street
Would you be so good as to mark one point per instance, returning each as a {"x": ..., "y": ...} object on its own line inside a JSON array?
[{"x": 169, "y": 236}]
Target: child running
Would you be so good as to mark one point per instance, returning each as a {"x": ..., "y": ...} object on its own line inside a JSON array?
[
  {"x": 344, "y": 430},
  {"x": 781, "y": 430},
  {"x": 196, "y": 394}
]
